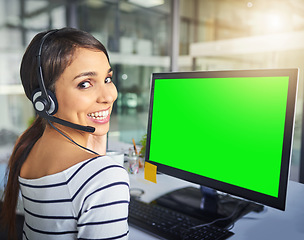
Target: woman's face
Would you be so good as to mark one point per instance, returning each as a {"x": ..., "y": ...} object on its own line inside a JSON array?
[{"x": 85, "y": 91}]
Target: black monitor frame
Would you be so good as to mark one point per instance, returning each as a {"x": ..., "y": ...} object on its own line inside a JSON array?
[{"x": 274, "y": 202}]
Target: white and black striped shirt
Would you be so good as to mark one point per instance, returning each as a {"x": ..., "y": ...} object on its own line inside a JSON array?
[{"x": 86, "y": 201}]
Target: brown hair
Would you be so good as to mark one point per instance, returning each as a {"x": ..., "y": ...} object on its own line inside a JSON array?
[{"x": 57, "y": 53}]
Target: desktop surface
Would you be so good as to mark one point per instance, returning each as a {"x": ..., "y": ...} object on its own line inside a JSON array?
[{"x": 269, "y": 224}]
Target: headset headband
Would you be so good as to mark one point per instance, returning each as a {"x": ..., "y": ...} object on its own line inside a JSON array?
[{"x": 42, "y": 87}]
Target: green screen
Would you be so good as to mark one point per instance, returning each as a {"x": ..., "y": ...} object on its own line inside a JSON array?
[{"x": 227, "y": 129}]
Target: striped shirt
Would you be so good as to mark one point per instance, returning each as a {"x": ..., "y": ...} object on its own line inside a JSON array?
[{"x": 86, "y": 201}]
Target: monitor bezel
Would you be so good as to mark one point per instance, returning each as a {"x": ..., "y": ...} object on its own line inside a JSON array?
[{"x": 280, "y": 201}]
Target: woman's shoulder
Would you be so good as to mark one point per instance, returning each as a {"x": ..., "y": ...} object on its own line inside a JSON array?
[
  {"x": 103, "y": 167},
  {"x": 96, "y": 178}
]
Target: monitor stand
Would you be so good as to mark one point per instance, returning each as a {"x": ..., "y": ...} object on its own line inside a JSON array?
[{"x": 206, "y": 204}]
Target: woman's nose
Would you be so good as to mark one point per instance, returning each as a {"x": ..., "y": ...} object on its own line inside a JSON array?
[{"x": 107, "y": 94}]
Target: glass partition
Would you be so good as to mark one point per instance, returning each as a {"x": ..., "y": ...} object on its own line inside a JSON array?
[{"x": 213, "y": 35}]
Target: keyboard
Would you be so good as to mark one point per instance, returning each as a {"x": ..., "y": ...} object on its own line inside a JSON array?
[{"x": 170, "y": 224}]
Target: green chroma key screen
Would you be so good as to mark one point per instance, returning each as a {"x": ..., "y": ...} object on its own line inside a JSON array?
[{"x": 229, "y": 129}]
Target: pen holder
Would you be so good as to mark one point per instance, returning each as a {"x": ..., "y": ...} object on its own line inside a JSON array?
[{"x": 133, "y": 162}]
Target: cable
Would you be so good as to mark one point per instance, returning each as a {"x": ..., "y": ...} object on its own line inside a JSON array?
[
  {"x": 70, "y": 139},
  {"x": 221, "y": 219}
]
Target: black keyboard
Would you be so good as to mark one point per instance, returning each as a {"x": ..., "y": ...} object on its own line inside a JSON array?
[{"x": 169, "y": 224}]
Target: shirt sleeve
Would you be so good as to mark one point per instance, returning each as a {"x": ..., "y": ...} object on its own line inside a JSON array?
[{"x": 102, "y": 200}]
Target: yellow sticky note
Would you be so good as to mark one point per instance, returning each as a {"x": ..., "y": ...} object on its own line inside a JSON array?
[{"x": 150, "y": 172}]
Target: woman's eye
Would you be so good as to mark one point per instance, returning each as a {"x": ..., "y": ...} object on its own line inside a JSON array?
[
  {"x": 84, "y": 85},
  {"x": 108, "y": 80}
]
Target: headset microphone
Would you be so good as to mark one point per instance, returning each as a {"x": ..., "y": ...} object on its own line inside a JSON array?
[{"x": 45, "y": 102}]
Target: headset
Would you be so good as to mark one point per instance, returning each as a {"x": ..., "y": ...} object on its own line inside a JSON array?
[{"x": 44, "y": 100}]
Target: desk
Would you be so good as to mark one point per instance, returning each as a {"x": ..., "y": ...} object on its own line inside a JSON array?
[{"x": 268, "y": 225}]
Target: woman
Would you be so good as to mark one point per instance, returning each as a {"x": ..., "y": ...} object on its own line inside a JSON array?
[{"x": 70, "y": 190}]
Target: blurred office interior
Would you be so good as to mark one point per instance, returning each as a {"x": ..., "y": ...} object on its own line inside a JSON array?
[{"x": 146, "y": 36}]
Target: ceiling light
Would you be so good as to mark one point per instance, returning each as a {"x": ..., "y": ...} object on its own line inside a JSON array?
[
  {"x": 250, "y": 4},
  {"x": 147, "y": 3}
]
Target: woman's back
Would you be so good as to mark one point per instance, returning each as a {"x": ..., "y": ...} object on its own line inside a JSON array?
[{"x": 89, "y": 200}]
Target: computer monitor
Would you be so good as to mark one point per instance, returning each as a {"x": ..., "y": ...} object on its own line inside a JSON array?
[{"x": 227, "y": 130}]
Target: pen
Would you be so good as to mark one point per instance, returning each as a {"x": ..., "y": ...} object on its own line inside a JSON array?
[{"x": 134, "y": 145}]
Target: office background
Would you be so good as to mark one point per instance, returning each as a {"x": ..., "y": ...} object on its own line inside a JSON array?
[{"x": 145, "y": 36}]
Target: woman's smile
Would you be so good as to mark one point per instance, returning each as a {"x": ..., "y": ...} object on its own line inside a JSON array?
[{"x": 102, "y": 116}]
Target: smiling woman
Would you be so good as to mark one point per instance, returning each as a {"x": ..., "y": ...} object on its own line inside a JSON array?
[{"x": 69, "y": 188}]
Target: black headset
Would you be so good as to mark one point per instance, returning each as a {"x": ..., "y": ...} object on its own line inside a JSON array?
[{"x": 44, "y": 100}]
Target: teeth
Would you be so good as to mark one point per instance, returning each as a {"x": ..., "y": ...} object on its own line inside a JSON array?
[{"x": 99, "y": 115}]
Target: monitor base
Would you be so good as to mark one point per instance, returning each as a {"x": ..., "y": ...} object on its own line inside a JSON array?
[{"x": 206, "y": 204}]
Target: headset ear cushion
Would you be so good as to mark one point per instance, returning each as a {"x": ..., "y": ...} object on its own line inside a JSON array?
[
  {"x": 54, "y": 104},
  {"x": 40, "y": 103}
]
